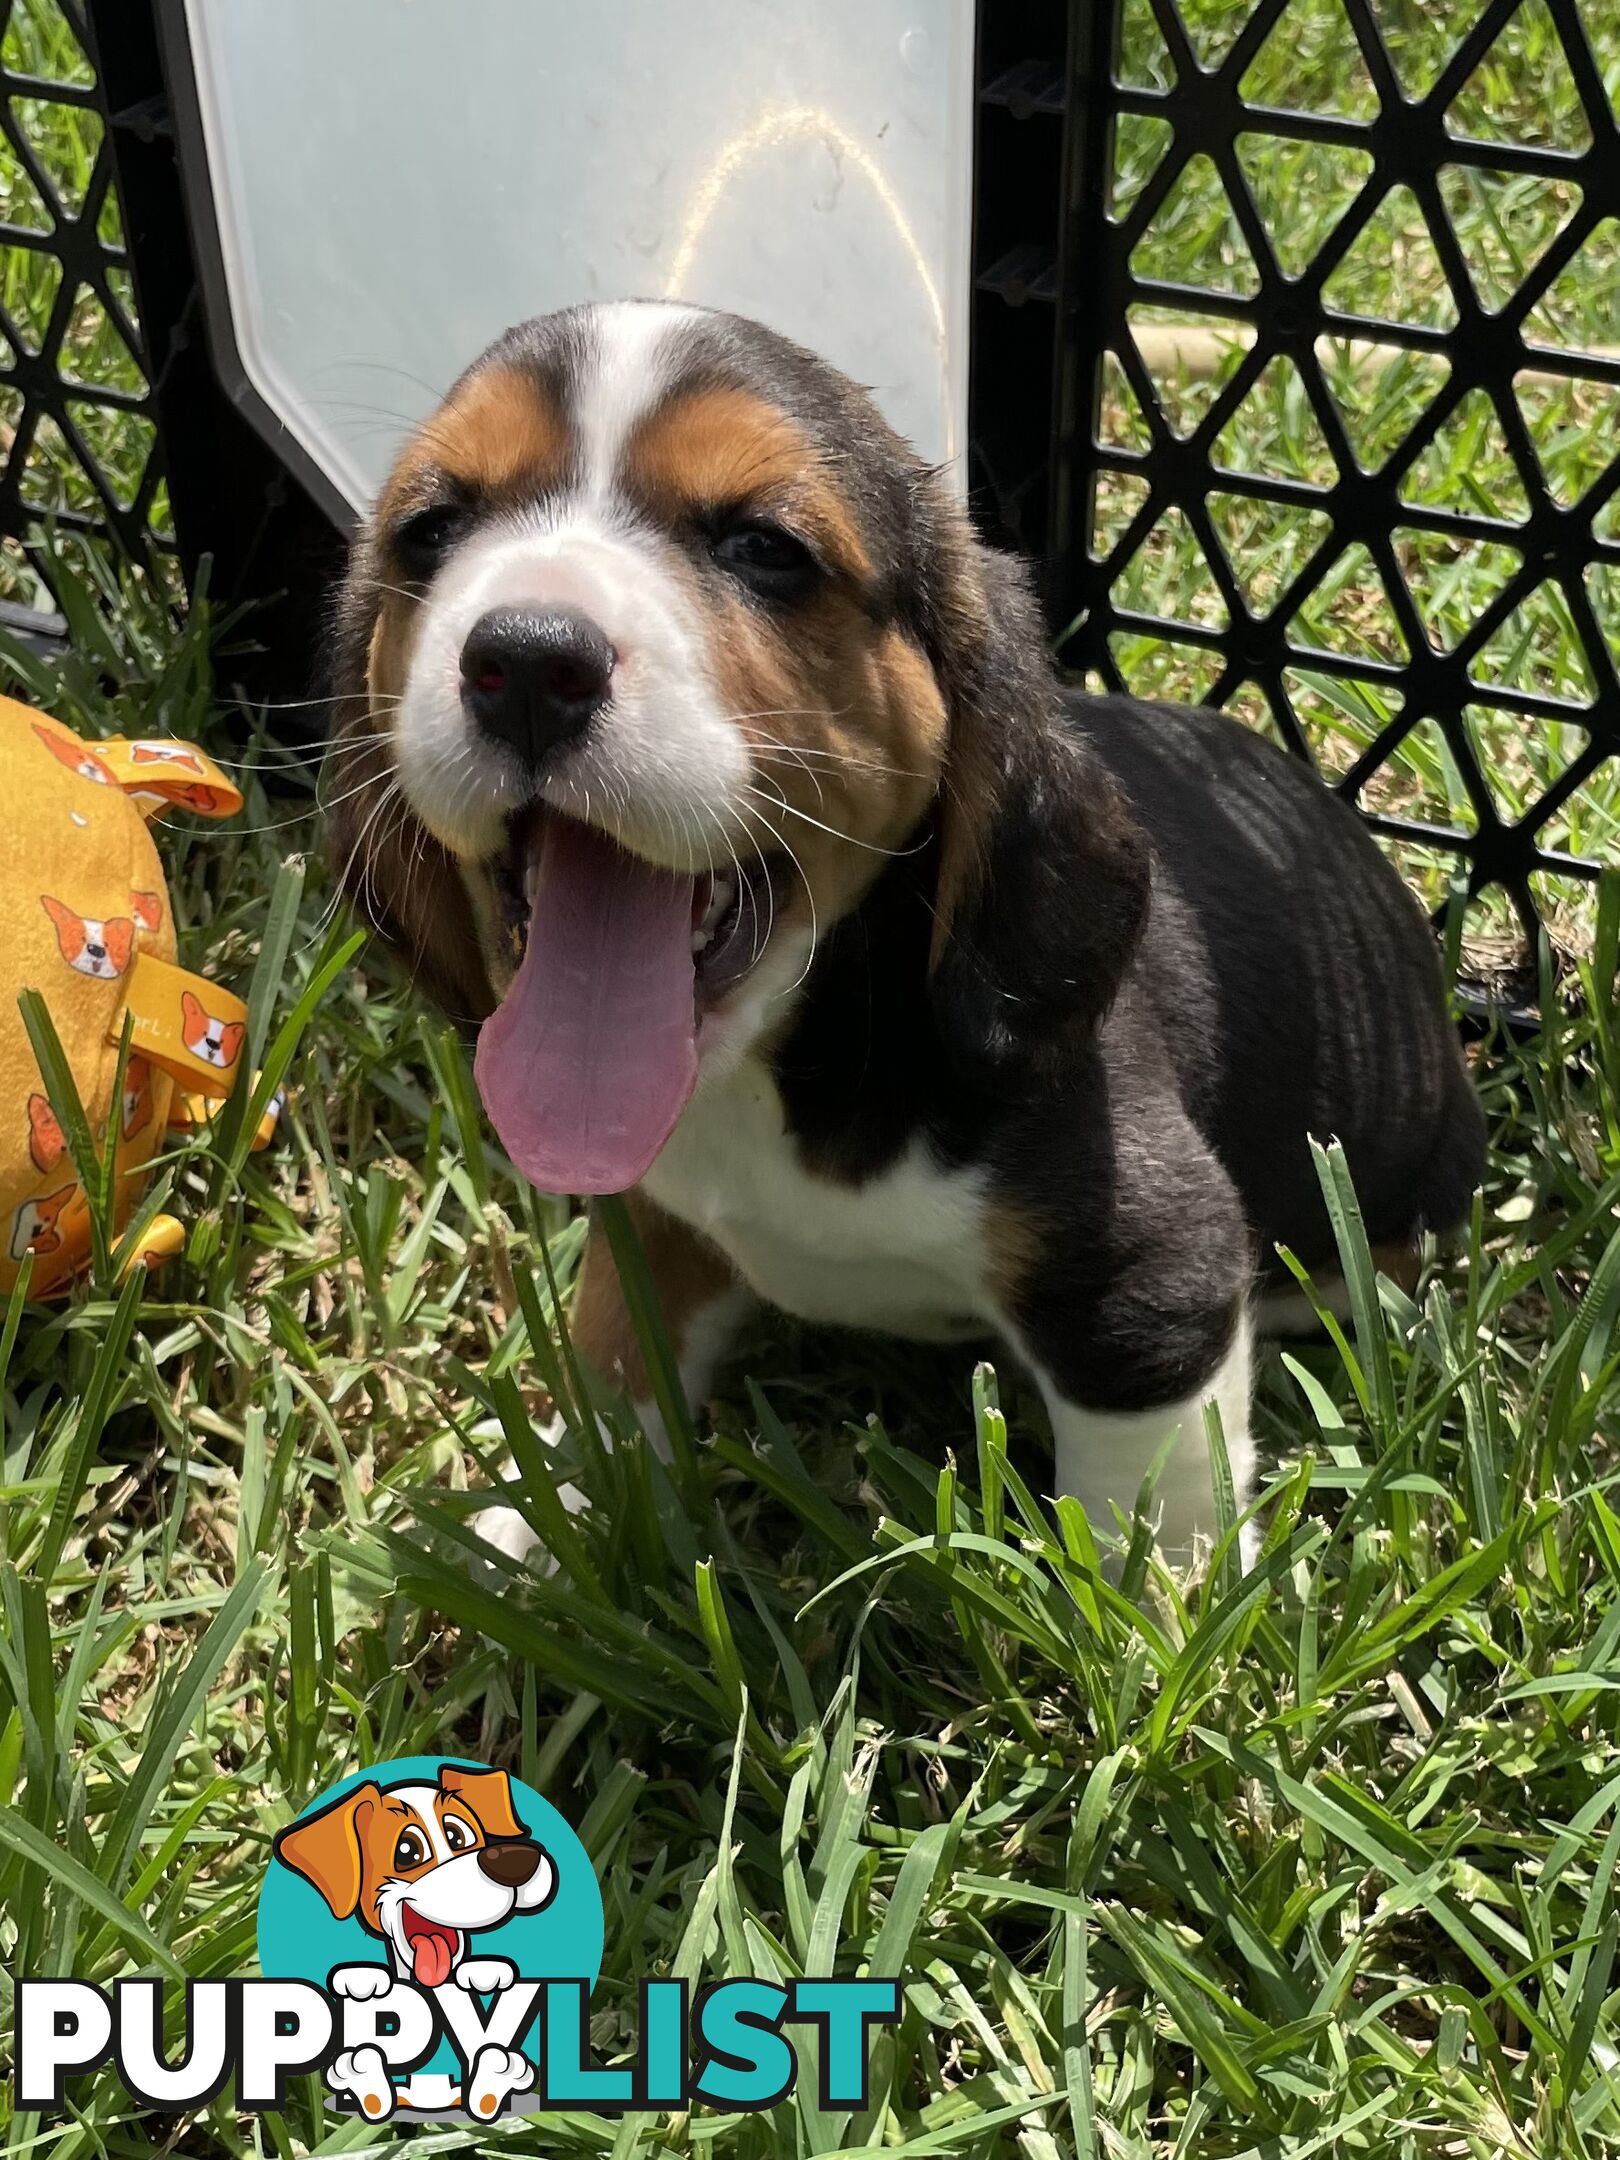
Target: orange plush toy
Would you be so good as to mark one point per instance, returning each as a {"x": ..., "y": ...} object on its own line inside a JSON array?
[{"x": 85, "y": 911}]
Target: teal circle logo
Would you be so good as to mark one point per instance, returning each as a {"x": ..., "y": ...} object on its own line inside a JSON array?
[{"x": 455, "y": 1879}]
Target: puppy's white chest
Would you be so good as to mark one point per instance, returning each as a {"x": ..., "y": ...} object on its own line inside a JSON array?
[{"x": 900, "y": 1254}]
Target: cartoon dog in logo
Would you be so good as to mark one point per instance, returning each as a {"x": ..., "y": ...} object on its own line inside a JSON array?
[{"x": 424, "y": 1868}]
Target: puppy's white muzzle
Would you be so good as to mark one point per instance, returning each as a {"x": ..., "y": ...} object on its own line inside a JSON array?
[{"x": 662, "y": 767}]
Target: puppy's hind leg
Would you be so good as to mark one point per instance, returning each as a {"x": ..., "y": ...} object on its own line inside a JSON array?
[
  {"x": 1125, "y": 1283},
  {"x": 703, "y": 1307}
]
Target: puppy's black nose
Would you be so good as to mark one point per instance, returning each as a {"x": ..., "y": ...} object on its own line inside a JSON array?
[
  {"x": 511, "y": 1862},
  {"x": 534, "y": 680}
]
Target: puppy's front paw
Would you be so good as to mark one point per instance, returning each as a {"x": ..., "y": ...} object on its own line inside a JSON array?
[
  {"x": 509, "y": 1532},
  {"x": 362, "y": 2074},
  {"x": 485, "y": 1976},
  {"x": 362, "y": 1983}
]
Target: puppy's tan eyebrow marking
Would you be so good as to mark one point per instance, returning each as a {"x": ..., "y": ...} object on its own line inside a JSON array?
[
  {"x": 711, "y": 448},
  {"x": 502, "y": 432}
]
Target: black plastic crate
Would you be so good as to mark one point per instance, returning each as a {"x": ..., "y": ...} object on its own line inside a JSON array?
[
  {"x": 124, "y": 435},
  {"x": 75, "y": 396},
  {"x": 1181, "y": 209}
]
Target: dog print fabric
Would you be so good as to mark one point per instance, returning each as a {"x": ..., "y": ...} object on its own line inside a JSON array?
[
  {"x": 86, "y": 915},
  {"x": 217, "y": 1042}
]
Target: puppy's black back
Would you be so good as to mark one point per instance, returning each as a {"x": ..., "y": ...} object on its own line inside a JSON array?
[{"x": 1294, "y": 981}]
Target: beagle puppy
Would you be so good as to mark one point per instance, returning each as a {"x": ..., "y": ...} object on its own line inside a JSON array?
[{"x": 689, "y": 745}]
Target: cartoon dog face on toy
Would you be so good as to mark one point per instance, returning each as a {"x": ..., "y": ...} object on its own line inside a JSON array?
[
  {"x": 75, "y": 756},
  {"x": 38, "y": 1226},
  {"x": 216, "y": 1042},
  {"x": 136, "y": 1106},
  {"x": 100, "y": 948},
  {"x": 47, "y": 1143},
  {"x": 424, "y": 1866}
]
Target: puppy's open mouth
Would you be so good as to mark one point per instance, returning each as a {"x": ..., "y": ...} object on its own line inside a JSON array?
[
  {"x": 733, "y": 911},
  {"x": 432, "y": 1947},
  {"x": 592, "y": 1054}
]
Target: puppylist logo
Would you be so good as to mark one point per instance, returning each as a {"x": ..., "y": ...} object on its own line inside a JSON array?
[{"x": 430, "y": 1931}]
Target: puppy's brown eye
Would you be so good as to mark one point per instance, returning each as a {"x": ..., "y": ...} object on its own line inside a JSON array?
[
  {"x": 766, "y": 558},
  {"x": 456, "y": 1835},
  {"x": 411, "y": 1850},
  {"x": 422, "y": 540}
]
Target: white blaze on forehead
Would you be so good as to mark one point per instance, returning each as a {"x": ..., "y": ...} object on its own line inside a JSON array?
[
  {"x": 629, "y": 361},
  {"x": 419, "y": 1799},
  {"x": 666, "y": 761}
]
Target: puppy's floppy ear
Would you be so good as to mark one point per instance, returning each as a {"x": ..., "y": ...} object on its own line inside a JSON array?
[
  {"x": 1044, "y": 874},
  {"x": 397, "y": 875},
  {"x": 489, "y": 1794},
  {"x": 325, "y": 1848}
]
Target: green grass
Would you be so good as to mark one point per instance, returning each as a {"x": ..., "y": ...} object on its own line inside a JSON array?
[{"x": 1321, "y": 1859}]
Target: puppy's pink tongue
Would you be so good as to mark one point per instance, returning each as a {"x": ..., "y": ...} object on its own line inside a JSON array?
[
  {"x": 592, "y": 1054},
  {"x": 430, "y": 1959}
]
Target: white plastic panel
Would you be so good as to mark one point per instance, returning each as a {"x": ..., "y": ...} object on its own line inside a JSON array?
[{"x": 397, "y": 180}]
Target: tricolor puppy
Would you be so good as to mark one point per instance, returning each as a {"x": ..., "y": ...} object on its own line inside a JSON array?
[
  {"x": 689, "y": 741},
  {"x": 425, "y": 1867}
]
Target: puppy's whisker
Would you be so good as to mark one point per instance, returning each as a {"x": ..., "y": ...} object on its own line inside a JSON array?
[
  {"x": 809, "y": 750},
  {"x": 347, "y": 891},
  {"x": 789, "y": 712},
  {"x": 795, "y": 758},
  {"x": 379, "y": 826},
  {"x": 417, "y": 861},
  {"x": 758, "y": 943},
  {"x": 869, "y": 846},
  {"x": 326, "y": 804},
  {"x": 730, "y": 846},
  {"x": 856, "y": 764},
  {"x": 810, "y": 897},
  {"x": 317, "y": 702},
  {"x": 291, "y": 823},
  {"x": 362, "y": 842},
  {"x": 399, "y": 592}
]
